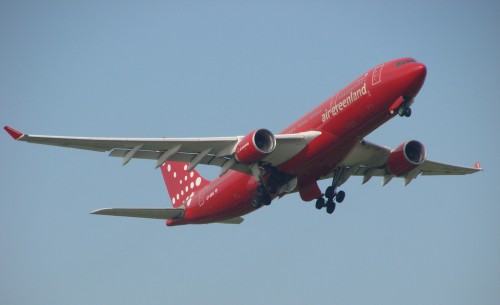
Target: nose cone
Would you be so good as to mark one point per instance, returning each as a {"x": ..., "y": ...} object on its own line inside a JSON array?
[{"x": 415, "y": 76}]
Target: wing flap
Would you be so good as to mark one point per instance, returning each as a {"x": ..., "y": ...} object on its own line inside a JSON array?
[{"x": 153, "y": 213}]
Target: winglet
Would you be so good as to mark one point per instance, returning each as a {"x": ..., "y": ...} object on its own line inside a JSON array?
[
  {"x": 477, "y": 165},
  {"x": 15, "y": 134}
]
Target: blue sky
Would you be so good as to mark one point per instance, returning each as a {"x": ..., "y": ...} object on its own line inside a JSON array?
[{"x": 177, "y": 69}]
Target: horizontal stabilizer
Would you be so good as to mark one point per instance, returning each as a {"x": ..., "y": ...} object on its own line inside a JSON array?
[{"x": 154, "y": 213}]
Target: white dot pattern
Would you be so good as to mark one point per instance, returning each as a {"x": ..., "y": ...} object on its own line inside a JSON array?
[{"x": 188, "y": 183}]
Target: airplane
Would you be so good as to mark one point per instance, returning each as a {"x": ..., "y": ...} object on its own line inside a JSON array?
[{"x": 326, "y": 143}]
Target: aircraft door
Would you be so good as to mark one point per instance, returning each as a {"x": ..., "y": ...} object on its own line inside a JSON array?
[{"x": 377, "y": 75}]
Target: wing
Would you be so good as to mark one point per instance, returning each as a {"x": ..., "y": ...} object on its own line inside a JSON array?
[
  {"x": 218, "y": 151},
  {"x": 368, "y": 159}
]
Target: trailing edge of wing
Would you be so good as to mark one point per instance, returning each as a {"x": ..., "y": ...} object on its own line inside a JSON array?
[{"x": 154, "y": 213}]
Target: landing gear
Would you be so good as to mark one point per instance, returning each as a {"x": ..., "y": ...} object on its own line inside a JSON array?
[
  {"x": 262, "y": 197},
  {"x": 331, "y": 194},
  {"x": 404, "y": 111}
]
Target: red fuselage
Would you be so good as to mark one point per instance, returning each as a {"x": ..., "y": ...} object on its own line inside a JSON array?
[{"x": 343, "y": 120}]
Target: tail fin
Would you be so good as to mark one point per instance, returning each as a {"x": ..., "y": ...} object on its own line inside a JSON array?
[{"x": 181, "y": 183}]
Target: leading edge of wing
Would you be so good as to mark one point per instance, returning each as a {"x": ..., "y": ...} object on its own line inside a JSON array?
[
  {"x": 153, "y": 213},
  {"x": 102, "y": 144}
]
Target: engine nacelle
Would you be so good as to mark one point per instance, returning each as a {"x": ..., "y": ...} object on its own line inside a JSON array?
[
  {"x": 255, "y": 146},
  {"x": 405, "y": 158}
]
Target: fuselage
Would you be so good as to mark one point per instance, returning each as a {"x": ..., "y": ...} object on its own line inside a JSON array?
[{"x": 343, "y": 120}]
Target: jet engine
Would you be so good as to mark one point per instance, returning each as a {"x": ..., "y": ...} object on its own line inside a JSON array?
[
  {"x": 255, "y": 146},
  {"x": 405, "y": 158}
]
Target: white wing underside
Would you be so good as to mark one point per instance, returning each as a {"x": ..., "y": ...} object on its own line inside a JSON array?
[
  {"x": 210, "y": 151},
  {"x": 368, "y": 160}
]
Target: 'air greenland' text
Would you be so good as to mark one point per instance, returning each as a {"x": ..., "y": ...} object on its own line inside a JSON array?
[{"x": 339, "y": 106}]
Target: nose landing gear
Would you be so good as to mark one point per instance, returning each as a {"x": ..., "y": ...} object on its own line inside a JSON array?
[{"x": 404, "y": 111}]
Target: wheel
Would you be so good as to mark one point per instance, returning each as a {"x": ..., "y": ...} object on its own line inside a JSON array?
[
  {"x": 320, "y": 203},
  {"x": 266, "y": 199},
  {"x": 340, "y": 196},
  {"x": 330, "y": 207},
  {"x": 272, "y": 189},
  {"x": 407, "y": 112},
  {"x": 261, "y": 189},
  {"x": 401, "y": 111},
  {"x": 256, "y": 203},
  {"x": 330, "y": 192}
]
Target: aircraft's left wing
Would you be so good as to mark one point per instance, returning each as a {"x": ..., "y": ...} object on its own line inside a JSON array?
[
  {"x": 218, "y": 151},
  {"x": 369, "y": 159}
]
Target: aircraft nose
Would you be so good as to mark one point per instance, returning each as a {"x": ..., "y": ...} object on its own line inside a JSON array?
[{"x": 416, "y": 75}]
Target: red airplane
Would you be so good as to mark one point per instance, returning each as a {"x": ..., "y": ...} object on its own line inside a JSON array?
[{"x": 326, "y": 143}]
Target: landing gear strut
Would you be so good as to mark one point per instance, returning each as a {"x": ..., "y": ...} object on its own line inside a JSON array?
[{"x": 331, "y": 194}]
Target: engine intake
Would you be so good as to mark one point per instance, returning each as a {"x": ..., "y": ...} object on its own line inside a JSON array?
[
  {"x": 255, "y": 146},
  {"x": 405, "y": 158}
]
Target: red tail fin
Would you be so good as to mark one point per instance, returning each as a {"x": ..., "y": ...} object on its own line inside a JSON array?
[{"x": 181, "y": 184}]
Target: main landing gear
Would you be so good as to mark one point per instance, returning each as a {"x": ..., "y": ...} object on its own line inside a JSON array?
[
  {"x": 331, "y": 194},
  {"x": 269, "y": 179},
  {"x": 262, "y": 197}
]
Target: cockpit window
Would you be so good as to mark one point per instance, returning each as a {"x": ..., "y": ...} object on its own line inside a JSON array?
[{"x": 404, "y": 62}]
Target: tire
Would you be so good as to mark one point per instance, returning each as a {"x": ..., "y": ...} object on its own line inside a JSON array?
[
  {"x": 320, "y": 203},
  {"x": 340, "y": 196},
  {"x": 256, "y": 204},
  {"x": 329, "y": 193},
  {"x": 330, "y": 207},
  {"x": 267, "y": 200},
  {"x": 272, "y": 189}
]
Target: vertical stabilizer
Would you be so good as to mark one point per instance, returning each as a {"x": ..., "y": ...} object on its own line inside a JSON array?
[{"x": 181, "y": 183}]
